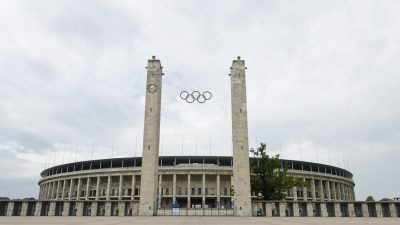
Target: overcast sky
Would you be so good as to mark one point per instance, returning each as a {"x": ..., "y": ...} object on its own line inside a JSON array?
[{"x": 323, "y": 77}]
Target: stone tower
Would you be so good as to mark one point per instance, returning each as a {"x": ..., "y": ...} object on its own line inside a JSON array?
[
  {"x": 151, "y": 139},
  {"x": 240, "y": 140}
]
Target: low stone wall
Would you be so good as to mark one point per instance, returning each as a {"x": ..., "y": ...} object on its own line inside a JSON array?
[
  {"x": 69, "y": 208},
  {"x": 325, "y": 209},
  {"x": 259, "y": 208}
]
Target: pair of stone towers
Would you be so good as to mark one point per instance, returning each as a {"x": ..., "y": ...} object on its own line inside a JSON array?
[{"x": 151, "y": 139}]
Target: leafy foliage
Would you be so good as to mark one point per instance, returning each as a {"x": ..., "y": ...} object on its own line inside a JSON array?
[
  {"x": 370, "y": 199},
  {"x": 269, "y": 177}
]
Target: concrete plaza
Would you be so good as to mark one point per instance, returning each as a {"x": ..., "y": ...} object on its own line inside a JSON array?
[{"x": 188, "y": 220}]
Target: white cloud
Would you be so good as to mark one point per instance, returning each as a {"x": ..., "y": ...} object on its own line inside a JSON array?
[{"x": 322, "y": 75}]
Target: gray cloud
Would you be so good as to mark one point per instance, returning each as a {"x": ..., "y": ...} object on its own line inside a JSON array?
[{"x": 322, "y": 75}]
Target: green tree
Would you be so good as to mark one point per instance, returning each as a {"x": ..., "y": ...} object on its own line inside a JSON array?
[
  {"x": 269, "y": 177},
  {"x": 4, "y": 198},
  {"x": 370, "y": 199}
]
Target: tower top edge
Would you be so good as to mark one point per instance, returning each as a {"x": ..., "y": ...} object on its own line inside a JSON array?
[
  {"x": 154, "y": 59},
  {"x": 238, "y": 60}
]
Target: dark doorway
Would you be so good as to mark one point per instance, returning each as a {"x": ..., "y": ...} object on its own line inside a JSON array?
[
  {"x": 87, "y": 209},
  {"x": 372, "y": 209},
  {"x": 31, "y": 209},
  {"x": 3, "y": 208},
  {"x": 317, "y": 209},
  {"x": 45, "y": 209},
  {"x": 358, "y": 210},
  {"x": 330, "y": 207},
  {"x": 59, "y": 208},
  {"x": 385, "y": 209},
  {"x": 72, "y": 209},
  {"x": 17, "y": 209},
  {"x": 303, "y": 209},
  {"x": 101, "y": 209},
  {"x": 344, "y": 209}
]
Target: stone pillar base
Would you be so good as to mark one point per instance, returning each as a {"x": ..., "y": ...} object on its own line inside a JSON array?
[{"x": 324, "y": 210}]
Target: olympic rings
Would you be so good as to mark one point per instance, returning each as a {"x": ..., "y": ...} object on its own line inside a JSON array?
[{"x": 195, "y": 96}]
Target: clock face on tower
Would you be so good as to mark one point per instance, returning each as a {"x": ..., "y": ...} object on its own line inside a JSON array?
[{"x": 151, "y": 88}]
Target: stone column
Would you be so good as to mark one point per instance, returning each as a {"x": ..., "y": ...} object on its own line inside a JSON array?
[
  {"x": 108, "y": 190},
  {"x": 48, "y": 194},
  {"x": 98, "y": 188},
  {"x": 203, "y": 191},
  {"x": 268, "y": 209},
  {"x": 364, "y": 208},
  {"x": 305, "y": 194},
  {"x": 392, "y": 209},
  {"x": 240, "y": 140},
  {"x": 63, "y": 189},
  {"x": 352, "y": 212},
  {"x": 174, "y": 188},
  {"x": 342, "y": 192},
  {"x": 334, "y": 193},
  {"x": 282, "y": 209},
  {"x": 107, "y": 208},
  {"x": 324, "y": 211},
  {"x": 52, "y": 209},
  {"x": 348, "y": 192},
  {"x": 151, "y": 138},
  {"x": 189, "y": 192},
  {"x": 133, "y": 186},
  {"x": 218, "y": 191},
  {"x": 78, "y": 190},
  {"x": 337, "y": 209},
  {"x": 38, "y": 208},
  {"x": 120, "y": 187},
  {"x": 328, "y": 190},
  {"x": 10, "y": 208},
  {"x": 314, "y": 197},
  {"x": 24, "y": 209},
  {"x": 87, "y": 188},
  {"x": 54, "y": 192},
  {"x": 50, "y": 190},
  {"x": 44, "y": 192},
  {"x": 294, "y": 190},
  {"x": 121, "y": 208},
  {"x": 43, "y": 195},
  {"x": 57, "y": 189},
  {"x": 79, "y": 208},
  {"x": 66, "y": 208},
  {"x": 310, "y": 209},
  {"x": 378, "y": 210},
  {"x": 159, "y": 190},
  {"x": 40, "y": 192},
  {"x": 296, "y": 209},
  {"x": 94, "y": 208},
  {"x": 321, "y": 190},
  {"x": 338, "y": 194},
  {"x": 71, "y": 184}
]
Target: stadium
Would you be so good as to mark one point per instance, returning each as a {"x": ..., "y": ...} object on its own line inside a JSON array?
[{"x": 189, "y": 181}]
